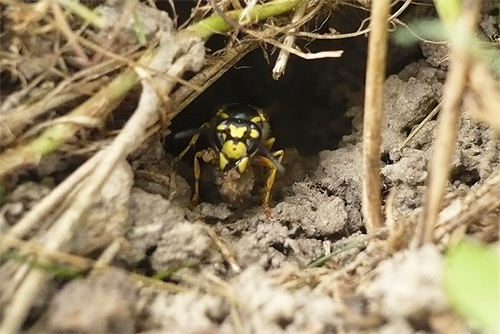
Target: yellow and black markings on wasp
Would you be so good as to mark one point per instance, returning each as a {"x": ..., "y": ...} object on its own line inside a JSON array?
[{"x": 240, "y": 136}]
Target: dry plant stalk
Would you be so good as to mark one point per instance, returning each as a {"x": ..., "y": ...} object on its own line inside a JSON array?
[
  {"x": 476, "y": 204},
  {"x": 20, "y": 115},
  {"x": 374, "y": 94},
  {"x": 206, "y": 77},
  {"x": 280, "y": 66},
  {"x": 484, "y": 101},
  {"x": 78, "y": 263},
  {"x": 460, "y": 62},
  {"x": 127, "y": 141},
  {"x": 419, "y": 127},
  {"x": 100, "y": 105}
]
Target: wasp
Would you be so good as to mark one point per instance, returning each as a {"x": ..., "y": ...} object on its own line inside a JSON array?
[{"x": 240, "y": 136}]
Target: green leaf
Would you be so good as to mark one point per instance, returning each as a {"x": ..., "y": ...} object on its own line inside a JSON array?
[
  {"x": 472, "y": 282},
  {"x": 428, "y": 29},
  {"x": 448, "y": 10}
]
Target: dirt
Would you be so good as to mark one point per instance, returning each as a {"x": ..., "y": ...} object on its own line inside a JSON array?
[
  {"x": 317, "y": 215},
  {"x": 241, "y": 271},
  {"x": 322, "y": 212},
  {"x": 106, "y": 304}
]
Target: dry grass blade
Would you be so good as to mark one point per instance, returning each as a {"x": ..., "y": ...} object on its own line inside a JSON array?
[
  {"x": 52, "y": 138},
  {"x": 221, "y": 245},
  {"x": 359, "y": 32},
  {"x": 84, "y": 82},
  {"x": 419, "y": 127},
  {"x": 301, "y": 54},
  {"x": 375, "y": 75},
  {"x": 460, "y": 62},
  {"x": 78, "y": 263},
  {"x": 485, "y": 100},
  {"x": 127, "y": 140},
  {"x": 477, "y": 204},
  {"x": 280, "y": 66},
  {"x": 48, "y": 203},
  {"x": 185, "y": 95}
]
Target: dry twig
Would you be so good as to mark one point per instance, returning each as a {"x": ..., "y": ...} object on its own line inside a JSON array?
[
  {"x": 460, "y": 62},
  {"x": 205, "y": 78},
  {"x": 419, "y": 127},
  {"x": 279, "y": 67},
  {"x": 127, "y": 140},
  {"x": 78, "y": 263},
  {"x": 476, "y": 204},
  {"x": 485, "y": 100},
  {"x": 375, "y": 75}
]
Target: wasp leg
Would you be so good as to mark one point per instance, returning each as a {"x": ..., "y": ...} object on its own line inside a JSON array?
[
  {"x": 270, "y": 142},
  {"x": 271, "y": 176},
  {"x": 197, "y": 175},
  {"x": 265, "y": 150},
  {"x": 192, "y": 142}
]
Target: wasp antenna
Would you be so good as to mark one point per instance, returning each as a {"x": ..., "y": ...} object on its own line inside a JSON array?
[
  {"x": 271, "y": 157},
  {"x": 204, "y": 128},
  {"x": 190, "y": 133},
  {"x": 186, "y": 133}
]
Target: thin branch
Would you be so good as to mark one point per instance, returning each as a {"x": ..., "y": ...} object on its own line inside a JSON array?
[
  {"x": 279, "y": 67},
  {"x": 65, "y": 29},
  {"x": 375, "y": 76},
  {"x": 90, "y": 16},
  {"x": 359, "y": 32},
  {"x": 216, "y": 24},
  {"x": 477, "y": 203},
  {"x": 419, "y": 127},
  {"x": 46, "y": 205},
  {"x": 460, "y": 61},
  {"x": 303, "y": 55}
]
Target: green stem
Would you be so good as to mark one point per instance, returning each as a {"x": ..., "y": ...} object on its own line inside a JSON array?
[
  {"x": 57, "y": 270},
  {"x": 85, "y": 13},
  {"x": 98, "y": 106},
  {"x": 217, "y": 24}
]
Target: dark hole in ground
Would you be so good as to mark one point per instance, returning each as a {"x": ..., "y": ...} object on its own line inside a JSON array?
[
  {"x": 217, "y": 317},
  {"x": 280, "y": 247},
  {"x": 307, "y": 105},
  {"x": 144, "y": 266},
  {"x": 469, "y": 176},
  {"x": 284, "y": 322},
  {"x": 386, "y": 158}
]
